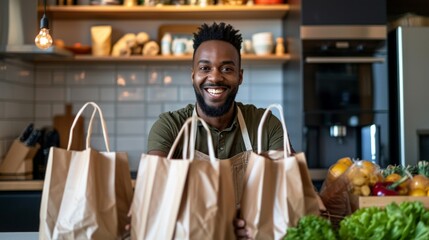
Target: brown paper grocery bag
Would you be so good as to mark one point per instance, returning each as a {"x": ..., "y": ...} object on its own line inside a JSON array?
[
  {"x": 158, "y": 192},
  {"x": 287, "y": 192},
  {"x": 86, "y": 194},
  {"x": 199, "y": 209}
]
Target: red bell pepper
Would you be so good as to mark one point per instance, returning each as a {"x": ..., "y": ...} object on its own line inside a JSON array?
[
  {"x": 384, "y": 189},
  {"x": 388, "y": 188}
]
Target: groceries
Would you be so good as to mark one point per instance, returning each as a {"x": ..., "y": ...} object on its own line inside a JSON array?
[
  {"x": 364, "y": 178},
  {"x": 406, "y": 220}
]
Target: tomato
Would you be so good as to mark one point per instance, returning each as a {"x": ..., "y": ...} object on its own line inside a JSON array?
[
  {"x": 337, "y": 169},
  {"x": 345, "y": 160},
  {"x": 419, "y": 182},
  {"x": 394, "y": 177},
  {"x": 417, "y": 193}
]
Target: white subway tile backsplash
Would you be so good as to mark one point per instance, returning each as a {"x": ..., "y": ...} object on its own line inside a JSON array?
[
  {"x": 187, "y": 94},
  {"x": 154, "y": 76},
  {"x": 153, "y": 110},
  {"x": 131, "y": 76},
  {"x": 21, "y": 73},
  {"x": 43, "y": 110},
  {"x": 50, "y": 94},
  {"x": 130, "y": 143},
  {"x": 175, "y": 106},
  {"x": 60, "y": 109},
  {"x": 131, "y": 110},
  {"x": 2, "y": 111},
  {"x": 243, "y": 94},
  {"x": 180, "y": 76},
  {"x": 16, "y": 91},
  {"x": 4, "y": 89},
  {"x": 18, "y": 110},
  {"x": 266, "y": 93},
  {"x": 149, "y": 123},
  {"x": 43, "y": 77},
  {"x": 23, "y": 92},
  {"x": 108, "y": 109},
  {"x": 134, "y": 158},
  {"x": 266, "y": 75},
  {"x": 107, "y": 94},
  {"x": 162, "y": 94},
  {"x": 91, "y": 77},
  {"x": 5, "y": 128},
  {"x": 131, "y": 97},
  {"x": 87, "y": 93},
  {"x": 59, "y": 77},
  {"x": 98, "y": 143},
  {"x": 131, "y": 94},
  {"x": 130, "y": 127},
  {"x": 3, "y": 70}
]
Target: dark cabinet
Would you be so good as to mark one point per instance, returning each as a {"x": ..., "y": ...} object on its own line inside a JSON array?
[{"x": 19, "y": 211}]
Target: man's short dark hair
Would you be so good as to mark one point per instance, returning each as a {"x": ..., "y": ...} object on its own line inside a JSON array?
[{"x": 222, "y": 31}]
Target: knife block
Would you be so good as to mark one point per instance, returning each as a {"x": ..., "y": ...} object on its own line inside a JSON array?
[{"x": 18, "y": 162}]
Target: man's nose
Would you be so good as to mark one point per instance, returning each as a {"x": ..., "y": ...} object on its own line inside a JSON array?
[{"x": 215, "y": 75}]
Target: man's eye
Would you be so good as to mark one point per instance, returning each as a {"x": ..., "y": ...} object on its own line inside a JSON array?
[
  {"x": 227, "y": 69},
  {"x": 204, "y": 68}
]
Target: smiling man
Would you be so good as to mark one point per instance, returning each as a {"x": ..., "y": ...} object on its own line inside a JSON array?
[{"x": 216, "y": 78}]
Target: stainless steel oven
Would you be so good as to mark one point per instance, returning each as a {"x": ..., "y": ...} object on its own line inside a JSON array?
[{"x": 345, "y": 94}]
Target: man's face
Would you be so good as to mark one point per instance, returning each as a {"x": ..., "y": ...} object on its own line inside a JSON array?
[{"x": 216, "y": 76}]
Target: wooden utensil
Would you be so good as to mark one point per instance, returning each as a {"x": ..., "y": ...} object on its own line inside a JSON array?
[{"x": 62, "y": 124}]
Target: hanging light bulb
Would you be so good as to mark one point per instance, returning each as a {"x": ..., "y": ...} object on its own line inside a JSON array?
[{"x": 43, "y": 40}]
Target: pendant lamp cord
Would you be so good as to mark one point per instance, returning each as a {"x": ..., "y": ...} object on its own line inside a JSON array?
[{"x": 44, "y": 7}]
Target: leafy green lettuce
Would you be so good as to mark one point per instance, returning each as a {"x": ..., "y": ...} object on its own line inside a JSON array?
[
  {"x": 408, "y": 220},
  {"x": 311, "y": 227}
]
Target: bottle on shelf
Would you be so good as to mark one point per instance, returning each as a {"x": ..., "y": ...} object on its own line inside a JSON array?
[
  {"x": 280, "y": 47},
  {"x": 166, "y": 44}
]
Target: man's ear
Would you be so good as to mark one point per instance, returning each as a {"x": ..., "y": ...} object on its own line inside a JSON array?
[
  {"x": 240, "y": 81},
  {"x": 192, "y": 75}
]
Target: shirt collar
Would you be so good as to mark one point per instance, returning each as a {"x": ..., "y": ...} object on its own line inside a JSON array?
[{"x": 228, "y": 129}]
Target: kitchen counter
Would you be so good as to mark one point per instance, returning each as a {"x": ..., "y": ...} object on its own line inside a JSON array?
[{"x": 37, "y": 185}]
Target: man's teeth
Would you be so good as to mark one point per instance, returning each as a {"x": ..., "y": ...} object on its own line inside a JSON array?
[{"x": 215, "y": 91}]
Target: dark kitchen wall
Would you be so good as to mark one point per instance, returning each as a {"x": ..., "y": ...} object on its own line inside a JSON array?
[
  {"x": 397, "y": 8},
  {"x": 342, "y": 12}
]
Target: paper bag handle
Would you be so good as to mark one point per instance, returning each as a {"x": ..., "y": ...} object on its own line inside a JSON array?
[
  {"x": 88, "y": 136},
  {"x": 286, "y": 145},
  {"x": 185, "y": 130}
]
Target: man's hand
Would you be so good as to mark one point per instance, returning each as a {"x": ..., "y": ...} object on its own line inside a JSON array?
[{"x": 240, "y": 229}]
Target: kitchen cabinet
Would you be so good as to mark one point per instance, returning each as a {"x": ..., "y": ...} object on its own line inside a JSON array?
[{"x": 166, "y": 13}]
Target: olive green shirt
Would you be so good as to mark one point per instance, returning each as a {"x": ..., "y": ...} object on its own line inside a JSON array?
[{"x": 226, "y": 143}]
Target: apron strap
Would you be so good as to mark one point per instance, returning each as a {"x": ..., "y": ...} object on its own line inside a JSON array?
[
  {"x": 244, "y": 132},
  {"x": 242, "y": 124}
]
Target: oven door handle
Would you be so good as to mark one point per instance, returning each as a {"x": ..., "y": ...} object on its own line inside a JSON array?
[{"x": 344, "y": 59}]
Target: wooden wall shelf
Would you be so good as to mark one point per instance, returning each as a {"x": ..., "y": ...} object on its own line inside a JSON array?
[
  {"x": 246, "y": 58},
  {"x": 275, "y": 11}
]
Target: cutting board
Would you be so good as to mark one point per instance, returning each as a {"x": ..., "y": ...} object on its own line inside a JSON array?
[{"x": 63, "y": 123}]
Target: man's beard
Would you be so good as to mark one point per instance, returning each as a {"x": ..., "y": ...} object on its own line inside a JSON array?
[{"x": 215, "y": 111}]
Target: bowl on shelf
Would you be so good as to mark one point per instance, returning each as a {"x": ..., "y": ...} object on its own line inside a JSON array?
[
  {"x": 263, "y": 43},
  {"x": 79, "y": 49},
  {"x": 263, "y": 49},
  {"x": 266, "y": 2}
]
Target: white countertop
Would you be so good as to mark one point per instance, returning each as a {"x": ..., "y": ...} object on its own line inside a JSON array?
[
  {"x": 19, "y": 235},
  {"x": 37, "y": 185}
]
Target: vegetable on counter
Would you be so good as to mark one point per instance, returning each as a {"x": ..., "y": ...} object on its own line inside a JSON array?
[
  {"x": 311, "y": 227},
  {"x": 407, "y": 220},
  {"x": 388, "y": 188}
]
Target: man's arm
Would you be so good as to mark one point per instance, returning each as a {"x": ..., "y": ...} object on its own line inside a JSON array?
[{"x": 158, "y": 153}]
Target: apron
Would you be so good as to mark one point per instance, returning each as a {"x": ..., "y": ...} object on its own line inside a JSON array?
[{"x": 239, "y": 161}]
